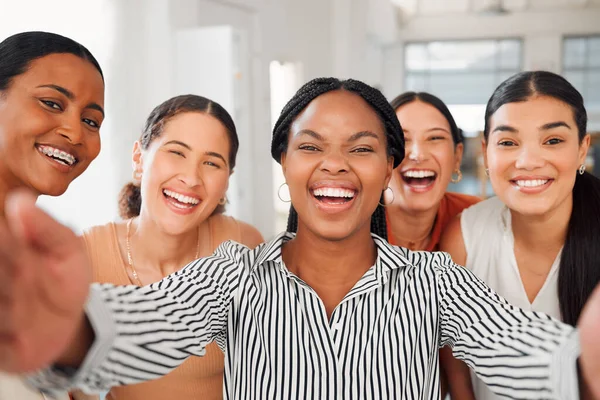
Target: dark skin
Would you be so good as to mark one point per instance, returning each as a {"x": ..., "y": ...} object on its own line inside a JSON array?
[
  {"x": 57, "y": 103},
  {"x": 32, "y": 261},
  {"x": 330, "y": 148}
]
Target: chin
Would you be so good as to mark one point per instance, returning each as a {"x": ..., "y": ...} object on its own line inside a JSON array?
[{"x": 54, "y": 189}]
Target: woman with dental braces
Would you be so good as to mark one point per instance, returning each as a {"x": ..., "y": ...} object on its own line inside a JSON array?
[{"x": 330, "y": 311}]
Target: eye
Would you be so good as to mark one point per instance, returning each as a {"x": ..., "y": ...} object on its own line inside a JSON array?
[
  {"x": 554, "y": 141},
  {"x": 212, "y": 164},
  {"x": 308, "y": 147},
  {"x": 506, "y": 143},
  {"x": 178, "y": 153},
  {"x": 91, "y": 123},
  {"x": 362, "y": 150},
  {"x": 437, "y": 138},
  {"x": 51, "y": 104}
]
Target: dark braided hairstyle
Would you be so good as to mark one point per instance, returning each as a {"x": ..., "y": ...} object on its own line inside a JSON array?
[{"x": 377, "y": 101}]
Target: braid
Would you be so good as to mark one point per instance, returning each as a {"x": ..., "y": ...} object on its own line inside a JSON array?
[
  {"x": 292, "y": 224},
  {"x": 319, "y": 86},
  {"x": 378, "y": 222}
]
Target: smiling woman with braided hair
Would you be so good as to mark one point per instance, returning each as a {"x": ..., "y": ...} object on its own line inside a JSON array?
[{"x": 330, "y": 312}]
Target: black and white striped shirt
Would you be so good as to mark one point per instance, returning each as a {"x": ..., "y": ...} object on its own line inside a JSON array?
[{"x": 381, "y": 342}]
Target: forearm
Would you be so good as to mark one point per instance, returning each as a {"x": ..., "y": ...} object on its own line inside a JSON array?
[
  {"x": 516, "y": 353},
  {"x": 80, "y": 345},
  {"x": 458, "y": 376}
]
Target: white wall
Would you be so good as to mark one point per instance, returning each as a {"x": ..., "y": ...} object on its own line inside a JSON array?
[{"x": 134, "y": 41}]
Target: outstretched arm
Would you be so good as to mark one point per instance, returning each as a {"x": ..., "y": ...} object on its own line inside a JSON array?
[
  {"x": 137, "y": 333},
  {"x": 517, "y": 354}
]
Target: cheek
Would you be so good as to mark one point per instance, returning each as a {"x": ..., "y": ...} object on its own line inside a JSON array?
[{"x": 216, "y": 182}]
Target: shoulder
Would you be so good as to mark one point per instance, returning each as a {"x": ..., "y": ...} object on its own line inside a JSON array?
[
  {"x": 250, "y": 236},
  {"x": 452, "y": 240},
  {"x": 489, "y": 208},
  {"x": 229, "y": 228},
  {"x": 100, "y": 238},
  {"x": 460, "y": 201}
]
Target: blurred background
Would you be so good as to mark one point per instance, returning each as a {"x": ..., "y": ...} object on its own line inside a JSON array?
[{"x": 252, "y": 55}]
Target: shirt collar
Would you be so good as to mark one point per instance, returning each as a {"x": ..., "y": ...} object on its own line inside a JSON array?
[{"x": 388, "y": 257}]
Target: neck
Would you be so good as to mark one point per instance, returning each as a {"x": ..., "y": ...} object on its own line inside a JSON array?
[
  {"x": 411, "y": 229},
  {"x": 544, "y": 232},
  {"x": 153, "y": 248},
  {"x": 330, "y": 263}
]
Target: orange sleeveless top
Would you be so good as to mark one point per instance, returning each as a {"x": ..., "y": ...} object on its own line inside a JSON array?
[
  {"x": 451, "y": 205},
  {"x": 197, "y": 377}
]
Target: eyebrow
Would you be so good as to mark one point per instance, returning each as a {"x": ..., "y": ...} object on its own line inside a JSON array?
[
  {"x": 352, "y": 138},
  {"x": 504, "y": 128},
  {"x": 362, "y": 134},
  {"x": 545, "y": 127},
  {"x": 552, "y": 125},
  {"x": 69, "y": 95},
  {"x": 310, "y": 133},
  {"x": 208, "y": 153}
]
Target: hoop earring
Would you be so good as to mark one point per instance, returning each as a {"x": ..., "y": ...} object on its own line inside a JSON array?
[
  {"x": 223, "y": 201},
  {"x": 137, "y": 177},
  {"x": 279, "y": 193},
  {"x": 458, "y": 176},
  {"x": 581, "y": 169},
  {"x": 383, "y": 194}
]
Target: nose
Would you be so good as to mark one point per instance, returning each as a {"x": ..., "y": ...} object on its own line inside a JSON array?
[
  {"x": 529, "y": 158},
  {"x": 191, "y": 176},
  {"x": 335, "y": 162},
  {"x": 72, "y": 130},
  {"x": 415, "y": 151}
]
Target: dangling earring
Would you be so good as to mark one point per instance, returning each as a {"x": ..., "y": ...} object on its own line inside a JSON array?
[
  {"x": 487, "y": 172},
  {"x": 458, "y": 176},
  {"x": 581, "y": 169},
  {"x": 383, "y": 195},
  {"x": 223, "y": 201},
  {"x": 279, "y": 193}
]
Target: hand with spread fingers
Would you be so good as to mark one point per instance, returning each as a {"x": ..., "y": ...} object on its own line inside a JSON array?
[{"x": 44, "y": 282}]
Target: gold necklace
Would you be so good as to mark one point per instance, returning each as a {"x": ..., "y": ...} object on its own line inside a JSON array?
[{"x": 130, "y": 259}]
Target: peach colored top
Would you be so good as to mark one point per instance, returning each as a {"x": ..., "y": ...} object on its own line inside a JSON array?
[
  {"x": 197, "y": 377},
  {"x": 451, "y": 205}
]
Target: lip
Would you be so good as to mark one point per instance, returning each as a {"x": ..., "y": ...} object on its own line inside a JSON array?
[
  {"x": 333, "y": 208},
  {"x": 420, "y": 188},
  {"x": 534, "y": 189},
  {"x": 57, "y": 165},
  {"x": 176, "y": 207}
]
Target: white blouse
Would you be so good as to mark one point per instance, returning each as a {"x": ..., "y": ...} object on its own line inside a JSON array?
[{"x": 489, "y": 243}]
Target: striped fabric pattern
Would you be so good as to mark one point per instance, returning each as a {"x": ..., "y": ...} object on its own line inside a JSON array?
[{"x": 381, "y": 342}]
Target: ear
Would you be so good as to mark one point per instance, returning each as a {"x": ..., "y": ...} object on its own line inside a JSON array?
[
  {"x": 583, "y": 148},
  {"x": 137, "y": 159},
  {"x": 458, "y": 155},
  {"x": 389, "y": 171},
  {"x": 282, "y": 161},
  {"x": 484, "y": 152}
]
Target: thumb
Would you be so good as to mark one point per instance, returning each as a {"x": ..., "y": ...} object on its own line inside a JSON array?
[{"x": 32, "y": 225}]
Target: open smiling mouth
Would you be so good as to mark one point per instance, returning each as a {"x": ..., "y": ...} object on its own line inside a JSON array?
[
  {"x": 57, "y": 155},
  {"x": 334, "y": 196},
  {"x": 419, "y": 179},
  {"x": 180, "y": 201}
]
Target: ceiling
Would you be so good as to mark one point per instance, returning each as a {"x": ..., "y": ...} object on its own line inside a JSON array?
[{"x": 435, "y": 7}]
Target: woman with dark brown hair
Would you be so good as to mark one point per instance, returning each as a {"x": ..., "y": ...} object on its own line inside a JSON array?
[{"x": 173, "y": 214}]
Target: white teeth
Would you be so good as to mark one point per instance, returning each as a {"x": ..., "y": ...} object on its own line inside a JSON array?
[
  {"x": 334, "y": 192},
  {"x": 531, "y": 182},
  {"x": 418, "y": 174},
  {"x": 181, "y": 198},
  {"x": 62, "y": 156}
]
